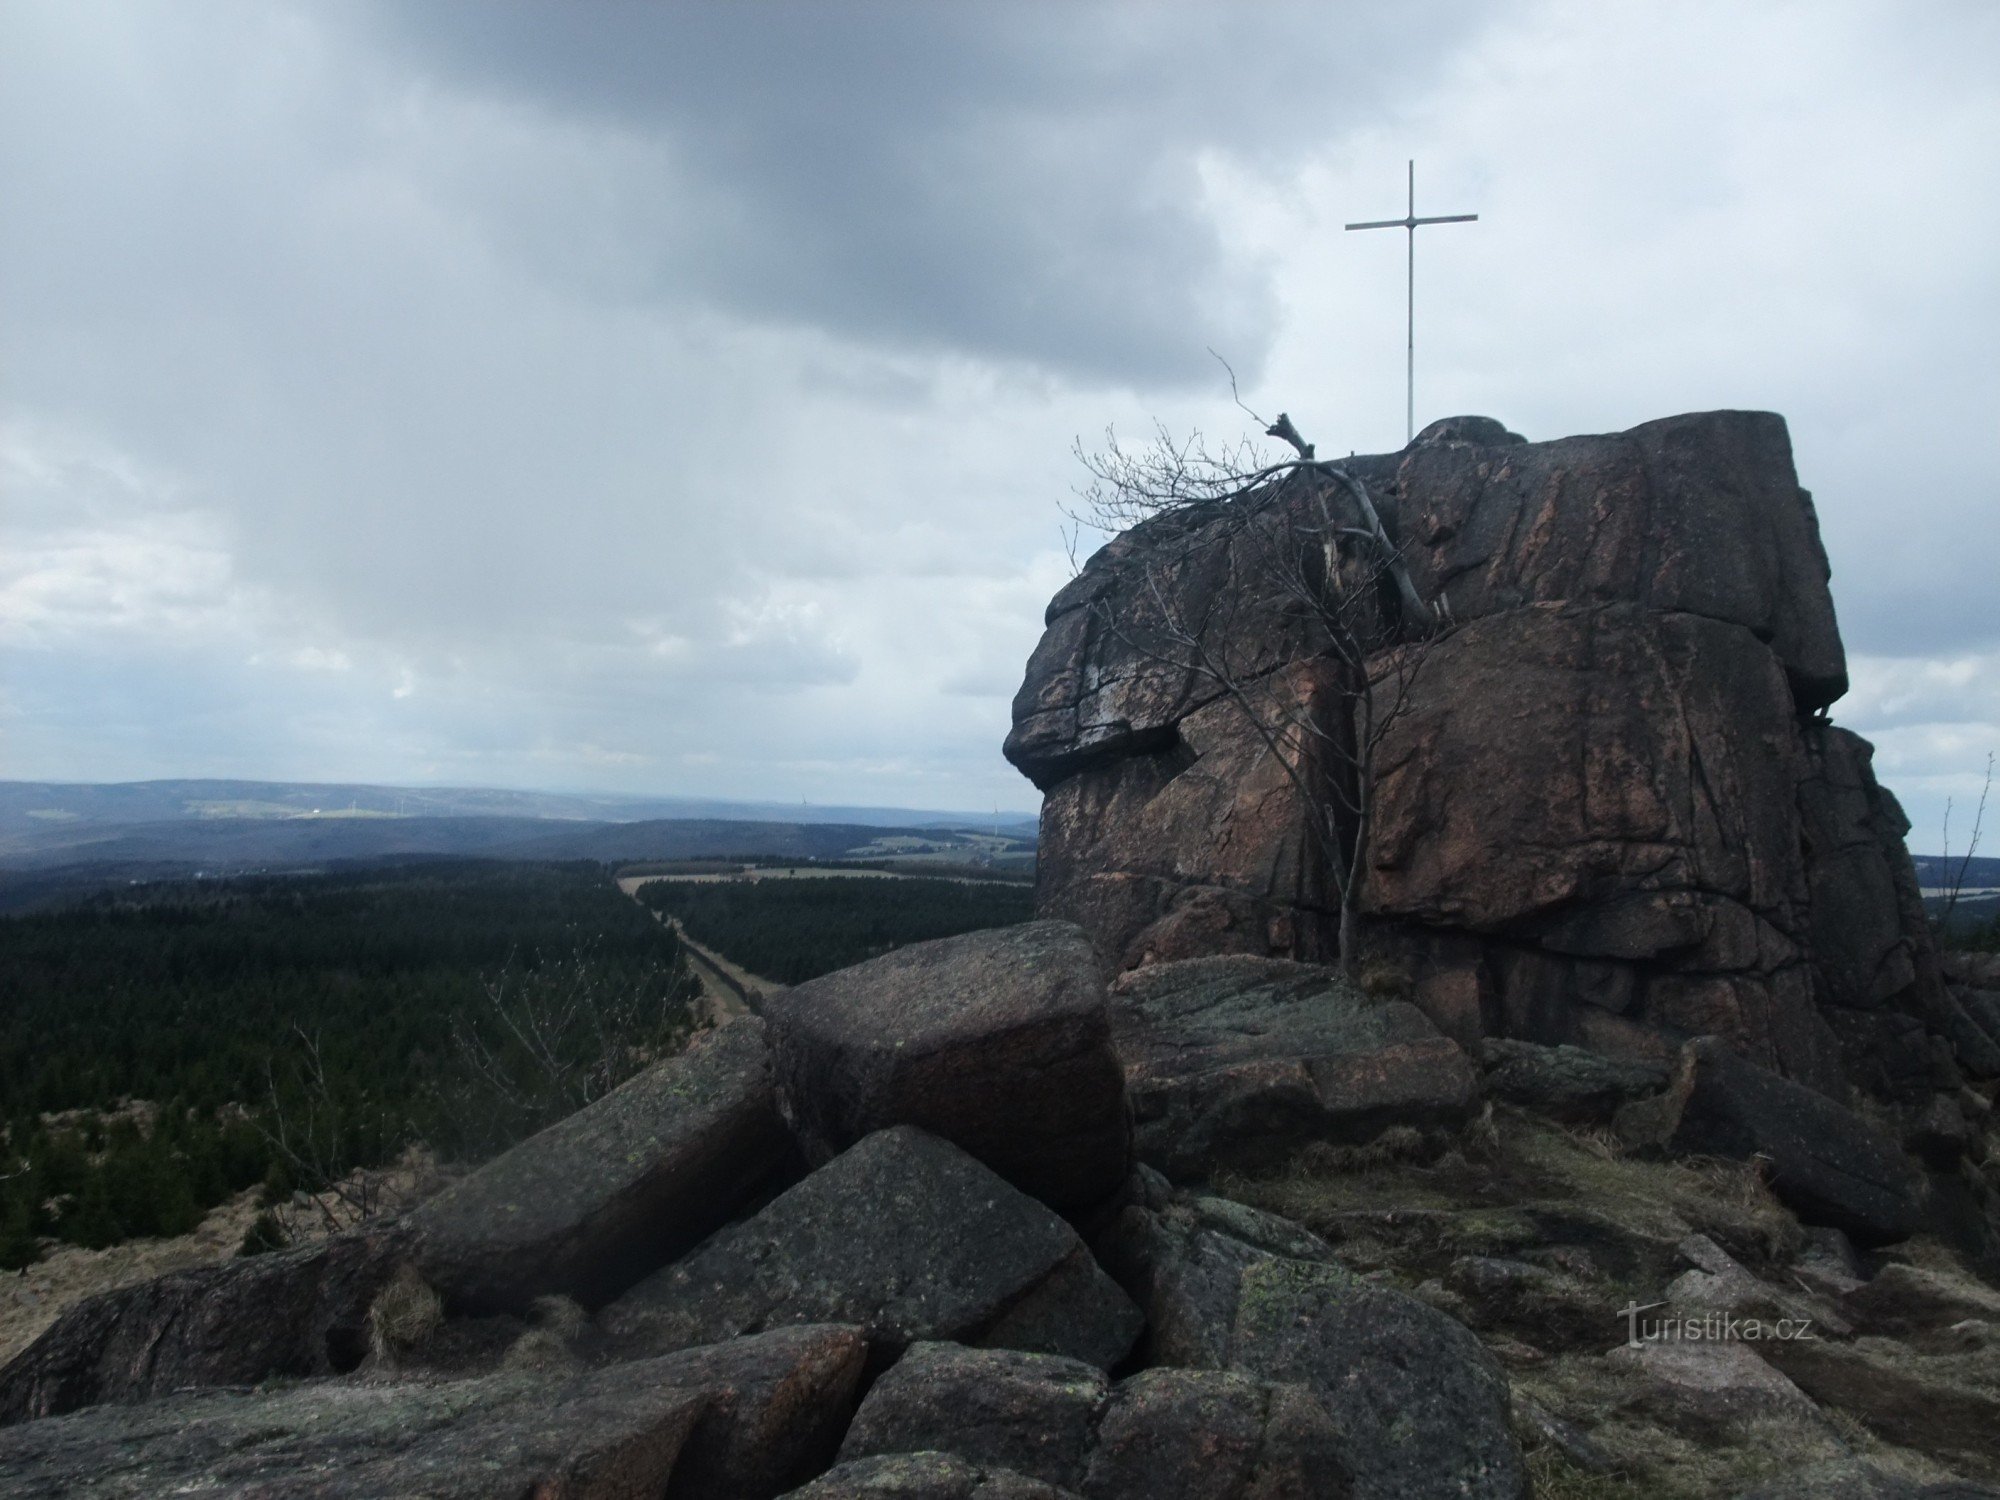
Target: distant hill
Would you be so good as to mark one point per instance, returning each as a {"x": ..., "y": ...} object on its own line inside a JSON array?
[
  {"x": 33, "y": 811},
  {"x": 58, "y": 840},
  {"x": 1935, "y": 872}
]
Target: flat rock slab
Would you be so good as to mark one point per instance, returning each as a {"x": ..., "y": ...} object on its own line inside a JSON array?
[
  {"x": 1852, "y": 1479},
  {"x": 1235, "y": 1061},
  {"x": 1944, "y": 1405},
  {"x": 1713, "y": 1384},
  {"x": 1566, "y": 1083},
  {"x": 1826, "y": 1163},
  {"x": 1902, "y": 1300},
  {"x": 1420, "y": 1407},
  {"x": 743, "y": 1420},
  {"x": 297, "y": 1312},
  {"x": 997, "y": 1041},
  {"x": 906, "y": 1235},
  {"x": 605, "y": 1197}
]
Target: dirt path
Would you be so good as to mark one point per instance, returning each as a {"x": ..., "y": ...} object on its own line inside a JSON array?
[{"x": 728, "y": 989}]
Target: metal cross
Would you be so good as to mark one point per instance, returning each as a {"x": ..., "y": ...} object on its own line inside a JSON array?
[{"x": 1410, "y": 221}]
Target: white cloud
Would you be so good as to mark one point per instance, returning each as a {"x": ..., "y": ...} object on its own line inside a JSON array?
[{"x": 514, "y": 398}]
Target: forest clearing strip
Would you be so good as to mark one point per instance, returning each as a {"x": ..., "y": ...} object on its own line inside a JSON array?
[{"x": 731, "y": 990}]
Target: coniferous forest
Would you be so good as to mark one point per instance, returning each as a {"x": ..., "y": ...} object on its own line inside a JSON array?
[
  {"x": 164, "y": 1046},
  {"x": 792, "y": 930}
]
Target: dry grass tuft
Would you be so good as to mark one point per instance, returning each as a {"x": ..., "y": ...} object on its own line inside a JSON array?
[
  {"x": 1386, "y": 981},
  {"x": 405, "y": 1313},
  {"x": 562, "y": 1316}
]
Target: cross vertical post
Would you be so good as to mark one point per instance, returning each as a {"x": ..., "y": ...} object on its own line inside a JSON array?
[{"x": 1409, "y": 222}]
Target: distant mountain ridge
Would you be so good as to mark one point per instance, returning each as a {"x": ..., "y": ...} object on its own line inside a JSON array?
[
  {"x": 29, "y": 810},
  {"x": 58, "y": 840}
]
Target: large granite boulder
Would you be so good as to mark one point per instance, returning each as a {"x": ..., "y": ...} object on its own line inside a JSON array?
[
  {"x": 1111, "y": 676},
  {"x": 905, "y": 1235},
  {"x": 1236, "y": 1061},
  {"x": 1159, "y": 1435},
  {"x": 294, "y": 1313},
  {"x": 1421, "y": 1408},
  {"x": 1217, "y": 1435},
  {"x": 612, "y": 1193},
  {"x": 1824, "y": 1160},
  {"x": 1035, "y": 1414},
  {"x": 997, "y": 1041},
  {"x": 1608, "y": 812},
  {"x": 1567, "y": 1083},
  {"x": 1699, "y": 514},
  {"x": 1195, "y": 846},
  {"x": 1608, "y": 789},
  {"x": 926, "y": 1476},
  {"x": 745, "y": 1419}
]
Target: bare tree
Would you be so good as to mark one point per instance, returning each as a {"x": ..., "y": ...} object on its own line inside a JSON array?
[
  {"x": 1954, "y": 880},
  {"x": 325, "y": 1143},
  {"x": 1309, "y": 620}
]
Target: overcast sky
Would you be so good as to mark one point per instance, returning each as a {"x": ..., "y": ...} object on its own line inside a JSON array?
[{"x": 679, "y": 398}]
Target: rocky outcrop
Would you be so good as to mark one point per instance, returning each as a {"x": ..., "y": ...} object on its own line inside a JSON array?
[
  {"x": 1034, "y": 1414},
  {"x": 1420, "y": 1406},
  {"x": 599, "y": 1200},
  {"x": 905, "y": 1235},
  {"x": 1823, "y": 1160},
  {"x": 996, "y": 1041},
  {"x": 927, "y": 1476},
  {"x": 1696, "y": 515},
  {"x": 1608, "y": 813},
  {"x": 1567, "y": 1083},
  {"x": 1238, "y": 1061},
  {"x": 1163, "y": 1434},
  {"x": 747, "y": 1419},
  {"x": 296, "y": 1313}
]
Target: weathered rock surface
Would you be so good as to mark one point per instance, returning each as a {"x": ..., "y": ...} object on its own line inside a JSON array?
[
  {"x": 1712, "y": 1384},
  {"x": 1160, "y": 1435},
  {"x": 1901, "y": 1300},
  {"x": 1824, "y": 1160},
  {"x": 742, "y": 1420},
  {"x": 1105, "y": 682},
  {"x": 1979, "y": 971},
  {"x": 1216, "y": 1435},
  {"x": 1420, "y": 1406},
  {"x": 1699, "y": 514},
  {"x": 996, "y": 1041},
  {"x": 1611, "y": 789},
  {"x": 1943, "y": 1404},
  {"x": 1566, "y": 1083},
  {"x": 293, "y": 1313},
  {"x": 1195, "y": 845},
  {"x": 1035, "y": 1414},
  {"x": 1851, "y": 1479},
  {"x": 926, "y": 1476},
  {"x": 905, "y": 1235},
  {"x": 605, "y": 1197},
  {"x": 775, "y": 1406},
  {"x": 1236, "y": 1061},
  {"x": 1607, "y": 816}
]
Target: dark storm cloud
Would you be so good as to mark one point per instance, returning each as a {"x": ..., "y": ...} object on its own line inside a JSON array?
[{"x": 1008, "y": 181}]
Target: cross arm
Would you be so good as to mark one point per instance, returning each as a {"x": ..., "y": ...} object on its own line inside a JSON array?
[{"x": 1412, "y": 223}]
